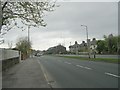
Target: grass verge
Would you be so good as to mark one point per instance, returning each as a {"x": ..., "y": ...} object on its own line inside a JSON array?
[{"x": 110, "y": 60}]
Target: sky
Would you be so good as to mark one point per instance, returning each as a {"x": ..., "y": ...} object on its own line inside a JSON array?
[{"x": 64, "y": 25}]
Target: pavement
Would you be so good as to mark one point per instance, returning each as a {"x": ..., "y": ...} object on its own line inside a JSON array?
[
  {"x": 73, "y": 73},
  {"x": 27, "y": 74}
]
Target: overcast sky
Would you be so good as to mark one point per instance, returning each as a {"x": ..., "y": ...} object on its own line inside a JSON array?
[{"x": 64, "y": 24}]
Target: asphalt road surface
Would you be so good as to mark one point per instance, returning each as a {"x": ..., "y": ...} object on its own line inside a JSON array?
[{"x": 63, "y": 72}]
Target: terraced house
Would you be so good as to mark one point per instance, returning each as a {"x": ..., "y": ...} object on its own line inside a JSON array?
[{"x": 83, "y": 47}]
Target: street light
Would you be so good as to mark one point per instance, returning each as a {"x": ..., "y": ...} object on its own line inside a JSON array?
[
  {"x": 28, "y": 37},
  {"x": 29, "y": 33},
  {"x": 87, "y": 39},
  {"x": 70, "y": 47}
]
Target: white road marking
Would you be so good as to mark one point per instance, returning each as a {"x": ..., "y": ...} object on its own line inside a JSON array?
[
  {"x": 88, "y": 68},
  {"x": 43, "y": 72},
  {"x": 84, "y": 67},
  {"x": 110, "y": 74},
  {"x": 67, "y": 62},
  {"x": 59, "y": 60},
  {"x": 79, "y": 66}
]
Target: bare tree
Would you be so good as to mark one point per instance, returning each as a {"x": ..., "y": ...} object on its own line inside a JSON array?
[
  {"x": 29, "y": 13},
  {"x": 10, "y": 44},
  {"x": 24, "y": 46}
]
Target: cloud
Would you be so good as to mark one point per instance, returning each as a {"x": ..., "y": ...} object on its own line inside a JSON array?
[{"x": 64, "y": 24}]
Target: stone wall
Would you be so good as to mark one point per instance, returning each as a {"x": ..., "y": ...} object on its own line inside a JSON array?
[{"x": 8, "y": 58}]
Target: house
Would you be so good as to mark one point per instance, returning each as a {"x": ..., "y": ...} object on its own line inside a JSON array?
[
  {"x": 83, "y": 47},
  {"x": 93, "y": 46},
  {"x": 76, "y": 48},
  {"x": 59, "y": 49}
]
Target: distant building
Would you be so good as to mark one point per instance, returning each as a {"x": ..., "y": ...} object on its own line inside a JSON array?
[
  {"x": 74, "y": 48},
  {"x": 59, "y": 49},
  {"x": 77, "y": 48},
  {"x": 110, "y": 36},
  {"x": 39, "y": 53},
  {"x": 83, "y": 46},
  {"x": 93, "y": 44}
]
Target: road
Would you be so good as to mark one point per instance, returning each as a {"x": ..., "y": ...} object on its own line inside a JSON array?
[{"x": 62, "y": 72}]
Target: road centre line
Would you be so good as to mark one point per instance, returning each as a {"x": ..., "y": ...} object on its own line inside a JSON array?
[
  {"x": 59, "y": 60},
  {"x": 79, "y": 66},
  {"x": 84, "y": 67},
  {"x": 67, "y": 62},
  {"x": 110, "y": 74},
  {"x": 87, "y": 68}
]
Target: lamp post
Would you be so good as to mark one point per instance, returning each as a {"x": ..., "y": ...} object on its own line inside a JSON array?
[
  {"x": 28, "y": 33},
  {"x": 87, "y": 39},
  {"x": 28, "y": 39},
  {"x": 70, "y": 47}
]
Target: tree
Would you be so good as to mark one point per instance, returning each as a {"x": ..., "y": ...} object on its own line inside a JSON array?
[
  {"x": 24, "y": 46},
  {"x": 118, "y": 50},
  {"x": 110, "y": 44},
  {"x": 101, "y": 46},
  {"x": 10, "y": 44},
  {"x": 29, "y": 13},
  {"x": 114, "y": 44}
]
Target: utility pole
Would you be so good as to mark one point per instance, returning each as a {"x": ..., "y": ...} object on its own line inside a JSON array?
[
  {"x": 28, "y": 39},
  {"x": 70, "y": 47},
  {"x": 29, "y": 33},
  {"x": 88, "y": 46}
]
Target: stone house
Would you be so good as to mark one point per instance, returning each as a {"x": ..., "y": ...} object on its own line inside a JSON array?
[{"x": 78, "y": 48}]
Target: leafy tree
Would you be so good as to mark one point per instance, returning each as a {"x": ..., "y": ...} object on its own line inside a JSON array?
[
  {"x": 101, "y": 46},
  {"x": 110, "y": 44},
  {"x": 114, "y": 44},
  {"x": 24, "y": 46},
  {"x": 10, "y": 44},
  {"x": 118, "y": 45},
  {"x": 29, "y": 13}
]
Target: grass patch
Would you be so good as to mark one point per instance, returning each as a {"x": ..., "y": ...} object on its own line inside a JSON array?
[{"x": 110, "y": 60}]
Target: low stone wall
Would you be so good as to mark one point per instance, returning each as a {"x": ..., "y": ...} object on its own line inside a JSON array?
[
  {"x": 7, "y": 54},
  {"x": 8, "y": 58},
  {"x": 9, "y": 63}
]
